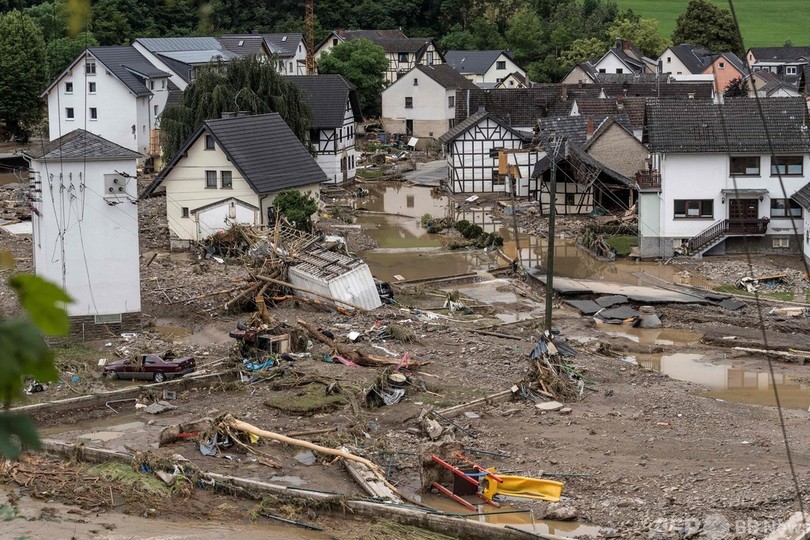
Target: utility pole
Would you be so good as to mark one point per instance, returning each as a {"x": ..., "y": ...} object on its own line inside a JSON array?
[{"x": 552, "y": 214}]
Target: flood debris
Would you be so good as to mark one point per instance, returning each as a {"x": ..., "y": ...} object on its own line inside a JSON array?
[{"x": 550, "y": 375}]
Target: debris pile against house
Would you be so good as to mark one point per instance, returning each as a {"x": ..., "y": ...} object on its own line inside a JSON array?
[
  {"x": 760, "y": 277},
  {"x": 14, "y": 203}
]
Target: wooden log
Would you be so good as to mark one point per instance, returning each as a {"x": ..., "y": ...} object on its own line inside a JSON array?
[
  {"x": 241, "y": 295},
  {"x": 233, "y": 423},
  {"x": 366, "y": 479},
  {"x": 309, "y": 291},
  {"x": 497, "y": 397}
]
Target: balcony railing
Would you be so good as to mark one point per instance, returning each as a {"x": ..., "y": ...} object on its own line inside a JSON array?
[{"x": 648, "y": 179}]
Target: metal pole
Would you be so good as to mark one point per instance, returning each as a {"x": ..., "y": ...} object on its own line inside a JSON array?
[
  {"x": 512, "y": 187},
  {"x": 552, "y": 214}
]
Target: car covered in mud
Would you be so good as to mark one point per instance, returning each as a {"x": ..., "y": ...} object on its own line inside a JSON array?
[{"x": 150, "y": 367}]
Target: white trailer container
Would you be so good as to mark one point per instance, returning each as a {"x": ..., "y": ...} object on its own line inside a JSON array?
[{"x": 336, "y": 275}]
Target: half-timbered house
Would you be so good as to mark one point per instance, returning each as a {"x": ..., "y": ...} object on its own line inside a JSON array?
[
  {"x": 335, "y": 112},
  {"x": 472, "y": 148}
]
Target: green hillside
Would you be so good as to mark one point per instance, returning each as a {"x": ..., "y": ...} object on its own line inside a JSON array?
[{"x": 763, "y": 22}]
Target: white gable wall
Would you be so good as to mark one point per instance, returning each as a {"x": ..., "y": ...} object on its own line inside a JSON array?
[
  {"x": 116, "y": 106},
  {"x": 430, "y": 113},
  {"x": 672, "y": 64},
  {"x": 611, "y": 64},
  {"x": 494, "y": 75},
  {"x": 97, "y": 263}
]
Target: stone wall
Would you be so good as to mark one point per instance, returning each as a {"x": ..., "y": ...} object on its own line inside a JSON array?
[{"x": 85, "y": 327}]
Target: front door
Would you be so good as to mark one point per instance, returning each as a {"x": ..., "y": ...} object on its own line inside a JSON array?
[
  {"x": 409, "y": 128},
  {"x": 743, "y": 209}
]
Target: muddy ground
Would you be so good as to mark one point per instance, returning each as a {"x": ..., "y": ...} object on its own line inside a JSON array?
[{"x": 642, "y": 455}]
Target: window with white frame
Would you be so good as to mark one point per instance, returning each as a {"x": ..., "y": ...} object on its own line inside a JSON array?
[
  {"x": 409, "y": 103},
  {"x": 451, "y": 102},
  {"x": 781, "y": 242},
  {"x": 790, "y": 70},
  {"x": 93, "y": 113},
  {"x": 209, "y": 142},
  {"x": 90, "y": 67},
  {"x": 91, "y": 87},
  {"x": 155, "y": 110},
  {"x": 69, "y": 113},
  {"x": 68, "y": 87},
  {"x": 500, "y": 64}
]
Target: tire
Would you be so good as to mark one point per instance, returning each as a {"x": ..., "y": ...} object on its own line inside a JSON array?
[
  {"x": 159, "y": 376},
  {"x": 112, "y": 375}
]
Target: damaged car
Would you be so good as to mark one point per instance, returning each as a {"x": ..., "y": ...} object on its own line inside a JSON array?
[{"x": 150, "y": 367}]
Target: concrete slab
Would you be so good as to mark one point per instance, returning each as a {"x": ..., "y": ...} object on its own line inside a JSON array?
[
  {"x": 645, "y": 295},
  {"x": 611, "y": 300},
  {"x": 586, "y": 307},
  {"x": 429, "y": 173},
  {"x": 549, "y": 406},
  {"x": 624, "y": 312},
  {"x": 22, "y": 227},
  {"x": 732, "y": 304}
]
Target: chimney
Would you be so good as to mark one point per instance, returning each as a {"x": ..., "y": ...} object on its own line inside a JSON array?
[
  {"x": 620, "y": 102},
  {"x": 564, "y": 93},
  {"x": 589, "y": 129}
]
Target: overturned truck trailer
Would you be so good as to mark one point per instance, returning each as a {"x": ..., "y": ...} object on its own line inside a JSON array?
[{"x": 336, "y": 275}]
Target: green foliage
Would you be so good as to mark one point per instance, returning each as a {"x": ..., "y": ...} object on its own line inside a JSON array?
[
  {"x": 23, "y": 73},
  {"x": 296, "y": 207},
  {"x": 462, "y": 225},
  {"x": 24, "y": 353},
  {"x": 643, "y": 33},
  {"x": 705, "y": 24},
  {"x": 425, "y": 220},
  {"x": 245, "y": 84},
  {"x": 736, "y": 88},
  {"x": 472, "y": 232},
  {"x": 526, "y": 31},
  {"x": 364, "y": 64},
  {"x": 582, "y": 50}
]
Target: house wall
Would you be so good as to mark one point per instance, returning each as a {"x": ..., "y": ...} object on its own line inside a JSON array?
[
  {"x": 494, "y": 75},
  {"x": 511, "y": 82},
  {"x": 293, "y": 65},
  {"x": 577, "y": 76},
  {"x": 471, "y": 160},
  {"x": 611, "y": 64},
  {"x": 722, "y": 75},
  {"x": 570, "y": 197},
  {"x": 430, "y": 113},
  {"x": 266, "y": 200},
  {"x": 116, "y": 106},
  {"x": 97, "y": 262},
  {"x": 185, "y": 188},
  {"x": 672, "y": 64},
  {"x": 335, "y": 151},
  {"x": 703, "y": 176},
  {"x": 619, "y": 150}
]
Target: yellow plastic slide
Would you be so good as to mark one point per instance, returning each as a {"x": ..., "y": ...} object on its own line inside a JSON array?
[{"x": 521, "y": 486}]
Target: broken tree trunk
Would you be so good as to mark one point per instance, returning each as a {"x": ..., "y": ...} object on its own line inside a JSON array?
[
  {"x": 356, "y": 356},
  {"x": 233, "y": 423}
]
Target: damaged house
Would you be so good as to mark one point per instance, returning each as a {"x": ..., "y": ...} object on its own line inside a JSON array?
[
  {"x": 595, "y": 159},
  {"x": 229, "y": 171},
  {"x": 715, "y": 181}
]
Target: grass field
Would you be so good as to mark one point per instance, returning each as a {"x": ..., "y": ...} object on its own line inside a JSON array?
[{"x": 764, "y": 23}]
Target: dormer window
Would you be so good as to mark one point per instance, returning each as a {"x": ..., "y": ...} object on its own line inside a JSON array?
[
  {"x": 790, "y": 70},
  {"x": 241, "y": 43},
  {"x": 283, "y": 39}
]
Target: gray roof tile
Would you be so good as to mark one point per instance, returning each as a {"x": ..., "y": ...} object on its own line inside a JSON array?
[
  {"x": 264, "y": 150},
  {"x": 126, "y": 63},
  {"x": 694, "y": 58},
  {"x": 446, "y": 76},
  {"x": 456, "y": 131},
  {"x": 803, "y": 197},
  {"x": 780, "y": 54},
  {"x": 477, "y": 62},
  {"x": 242, "y": 44},
  {"x": 79, "y": 145},
  {"x": 168, "y": 44},
  {"x": 283, "y": 45},
  {"x": 685, "y": 126},
  {"x": 326, "y": 96}
]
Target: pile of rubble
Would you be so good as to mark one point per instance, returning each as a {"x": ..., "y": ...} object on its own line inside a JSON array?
[
  {"x": 769, "y": 276},
  {"x": 14, "y": 204}
]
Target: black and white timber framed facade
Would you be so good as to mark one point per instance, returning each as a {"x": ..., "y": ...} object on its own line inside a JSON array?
[{"x": 472, "y": 149}]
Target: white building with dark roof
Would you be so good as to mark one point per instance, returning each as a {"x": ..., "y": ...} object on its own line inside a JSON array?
[
  {"x": 114, "y": 92},
  {"x": 715, "y": 181},
  {"x": 85, "y": 229},
  {"x": 422, "y": 103},
  {"x": 229, "y": 171},
  {"x": 182, "y": 57},
  {"x": 487, "y": 69},
  {"x": 335, "y": 110},
  {"x": 288, "y": 52}
]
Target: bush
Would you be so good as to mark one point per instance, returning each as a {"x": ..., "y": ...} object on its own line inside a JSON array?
[
  {"x": 472, "y": 232},
  {"x": 426, "y": 219},
  {"x": 462, "y": 226}
]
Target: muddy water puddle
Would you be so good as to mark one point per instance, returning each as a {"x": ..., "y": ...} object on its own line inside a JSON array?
[
  {"x": 512, "y": 516},
  {"x": 101, "y": 429},
  {"x": 727, "y": 382},
  {"x": 652, "y": 336}
]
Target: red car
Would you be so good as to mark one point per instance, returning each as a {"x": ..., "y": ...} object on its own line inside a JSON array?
[{"x": 150, "y": 367}]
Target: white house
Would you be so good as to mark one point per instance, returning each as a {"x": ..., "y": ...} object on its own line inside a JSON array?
[
  {"x": 113, "y": 92},
  {"x": 229, "y": 171},
  {"x": 423, "y": 102},
  {"x": 288, "y": 51},
  {"x": 787, "y": 62},
  {"x": 712, "y": 185},
  {"x": 85, "y": 229},
  {"x": 182, "y": 57},
  {"x": 335, "y": 112},
  {"x": 486, "y": 68},
  {"x": 472, "y": 148},
  {"x": 403, "y": 53},
  {"x": 624, "y": 58}
]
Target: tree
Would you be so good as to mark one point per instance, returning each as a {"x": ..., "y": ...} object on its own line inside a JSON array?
[
  {"x": 525, "y": 35},
  {"x": 23, "y": 72},
  {"x": 457, "y": 39},
  {"x": 296, "y": 207},
  {"x": 707, "y": 25},
  {"x": 582, "y": 50},
  {"x": 24, "y": 353},
  {"x": 364, "y": 64},
  {"x": 59, "y": 53},
  {"x": 643, "y": 33},
  {"x": 246, "y": 84},
  {"x": 736, "y": 88}
]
